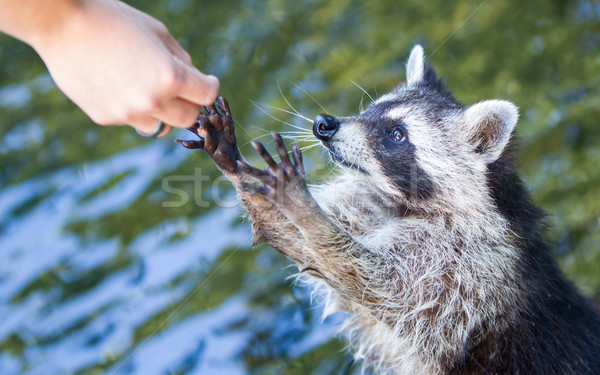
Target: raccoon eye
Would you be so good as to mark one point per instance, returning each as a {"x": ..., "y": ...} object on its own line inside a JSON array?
[{"x": 397, "y": 134}]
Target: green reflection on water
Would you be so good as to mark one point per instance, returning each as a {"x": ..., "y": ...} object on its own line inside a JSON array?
[{"x": 543, "y": 56}]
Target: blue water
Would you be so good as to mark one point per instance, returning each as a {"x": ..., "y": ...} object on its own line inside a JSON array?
[
  {"x": 121, "y": 255},
  {"x": 67, "y": 334}
]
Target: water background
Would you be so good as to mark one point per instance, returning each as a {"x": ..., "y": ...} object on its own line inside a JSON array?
[{"x": 103, "y": 269}]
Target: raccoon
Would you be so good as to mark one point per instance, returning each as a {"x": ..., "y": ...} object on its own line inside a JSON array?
[{"x": 427, "y": 237}]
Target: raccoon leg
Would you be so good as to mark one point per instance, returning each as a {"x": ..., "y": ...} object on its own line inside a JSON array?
[
  {"x": 215, "y": 128},
  {"x": 330, "y": 252}
]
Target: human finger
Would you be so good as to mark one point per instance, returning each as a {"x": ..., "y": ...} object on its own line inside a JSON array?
[
  {"x": 149, "y": 125},
  {"x": 178, "y": 112},
  {"x": 144, "y": 124},
  {"x": 197, "y": 87}
]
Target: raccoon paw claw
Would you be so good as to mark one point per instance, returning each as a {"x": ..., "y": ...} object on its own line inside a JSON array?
[
  {"x": 192, "y": 144},
  {"x": 290, "y": 169},
  {"x": 223, "y": 106},
  {"x": 262, "y": 151},
  {"x": 284, "y": 182},
  {"x": 217, "y": 137},
  {"x": 286, "y": 163}
]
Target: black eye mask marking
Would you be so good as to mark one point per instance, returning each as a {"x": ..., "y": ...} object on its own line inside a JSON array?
[
  {"x": 398, "y": 157},
  {"x": 403, "y": 170}
]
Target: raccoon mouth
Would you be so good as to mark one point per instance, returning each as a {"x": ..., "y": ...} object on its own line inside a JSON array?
[{"x": 341, "y": 161}]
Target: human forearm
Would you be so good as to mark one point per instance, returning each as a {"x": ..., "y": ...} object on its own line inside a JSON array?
[{"x": 30, "y": 20}]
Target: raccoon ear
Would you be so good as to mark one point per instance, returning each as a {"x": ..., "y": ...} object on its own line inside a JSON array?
[
  {"x": 489, "y": 125},
  {"x": 415, "y": 67}
]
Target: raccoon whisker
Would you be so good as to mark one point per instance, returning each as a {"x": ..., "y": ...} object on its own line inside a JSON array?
[
  {"x": 309, "y": 95},
  {"x": 297, "y": 127},
  {"x": 295, "y": 132},
  {"x": 256, "y": 127},
  {"x": 300, "y": 131},
  {"x": 360, "y": 105},
  {"x": 283, "y": 110},
  {"x": 253, "y": 139},
  {"x": 299, "y": 136},
  {"x": 275, "y": 118},
  {"x": 265, "y": 134},
  {"x": 330, "y": 171},
  {"x": 286, "y": 101},
  {"x": 309, "y": 147},
  {"x": 363, "y": 90},
  {"x": 300, "y": 139},
  {"x": 329, "y": 161},
  {"x": 303, "y": 139}
]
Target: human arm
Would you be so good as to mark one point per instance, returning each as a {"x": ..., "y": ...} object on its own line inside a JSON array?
[{"x": 118, "y": 64}]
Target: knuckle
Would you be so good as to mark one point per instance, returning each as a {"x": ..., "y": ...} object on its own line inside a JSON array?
[
  {"x": 172, "y": 78},
  {"x": 150, "y": 104}
]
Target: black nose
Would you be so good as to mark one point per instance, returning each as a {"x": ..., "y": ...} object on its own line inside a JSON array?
[{"x": 325, "y": 127}]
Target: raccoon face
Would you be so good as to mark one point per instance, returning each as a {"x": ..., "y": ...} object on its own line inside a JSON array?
[
  {"x": 418, "y": 142},
  {"x": 376, "y": 147}
]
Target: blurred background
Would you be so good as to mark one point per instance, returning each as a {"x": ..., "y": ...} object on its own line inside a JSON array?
[{"x": 118, "y": 255}]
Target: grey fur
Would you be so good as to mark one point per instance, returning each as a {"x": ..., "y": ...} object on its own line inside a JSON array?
[{"x": 409, "y": 238}]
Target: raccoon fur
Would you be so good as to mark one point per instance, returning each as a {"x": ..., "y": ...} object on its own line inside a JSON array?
[{"x": 427, "y": 238}]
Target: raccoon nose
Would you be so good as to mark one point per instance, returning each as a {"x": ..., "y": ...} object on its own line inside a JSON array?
[{"x": 325, "y": 127}]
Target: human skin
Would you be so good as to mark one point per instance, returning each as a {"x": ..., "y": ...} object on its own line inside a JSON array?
[{"x": 118, "y": 64}]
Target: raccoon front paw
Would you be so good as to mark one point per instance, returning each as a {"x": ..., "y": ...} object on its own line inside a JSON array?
[
  {"x": 283, "y": 183},
  {"x": 217, "y": 137}
]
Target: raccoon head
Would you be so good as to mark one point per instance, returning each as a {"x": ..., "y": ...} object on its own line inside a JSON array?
[{"x": 418, "y": 143}]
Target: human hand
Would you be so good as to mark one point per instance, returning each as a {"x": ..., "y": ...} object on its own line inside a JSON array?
[{"x": 121, "y": 66}]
